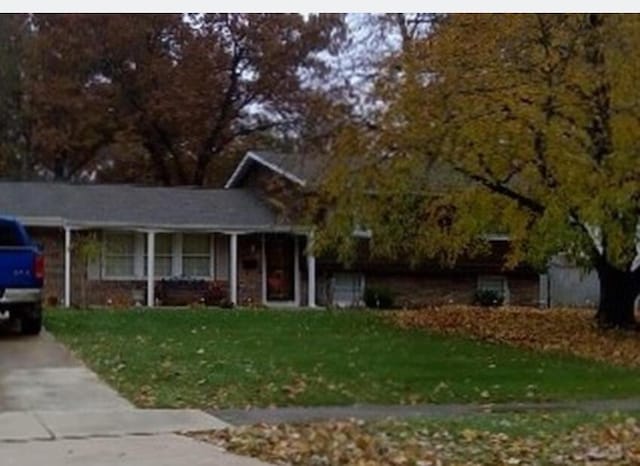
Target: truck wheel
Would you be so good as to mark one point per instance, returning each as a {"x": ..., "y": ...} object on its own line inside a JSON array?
[{"x": 32, "y": 321}]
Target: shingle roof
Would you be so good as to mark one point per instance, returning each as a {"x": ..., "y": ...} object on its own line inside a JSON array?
[
  {"x": 308, "y": 170},
  {"x": 136, "y": 206},
  {"x": 301, "y": 168},
  {"x": 304, "y": 166}
]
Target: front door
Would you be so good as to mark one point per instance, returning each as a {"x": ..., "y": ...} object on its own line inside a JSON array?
[{"x": 280, "y": 258}]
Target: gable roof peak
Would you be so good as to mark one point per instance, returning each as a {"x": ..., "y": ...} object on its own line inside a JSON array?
[{"x": 298, "y": 168}]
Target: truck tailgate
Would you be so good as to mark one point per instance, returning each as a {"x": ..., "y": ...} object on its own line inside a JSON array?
[{"x": 16, "y": 267}]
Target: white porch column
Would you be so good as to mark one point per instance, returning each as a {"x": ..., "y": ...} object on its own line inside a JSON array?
[
  {"x": 151, "y": 268},
  {"x": 67, "y": 267},
  {"x": 311, "y": 270},
  {"x": 233, "y": 268}
]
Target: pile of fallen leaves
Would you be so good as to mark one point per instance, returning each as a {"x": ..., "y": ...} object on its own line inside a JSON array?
[
  {"x": 566, "y": 330},
  {"x": 355, "y": 443}
]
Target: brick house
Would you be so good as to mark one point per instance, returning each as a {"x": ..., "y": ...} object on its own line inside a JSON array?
[{"x": 101, "y": 240}]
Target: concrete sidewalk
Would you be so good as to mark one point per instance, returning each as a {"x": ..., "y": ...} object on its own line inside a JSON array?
[
  {"x": 52, "y": 425},
  {"x": 436, "y": 411},
  {"x": 111, "y": 438},
  {"x": 156, "y": 450}
]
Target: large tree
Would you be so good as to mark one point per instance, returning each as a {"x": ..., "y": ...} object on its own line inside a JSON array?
[
  {"x": 169, "y": 94},
  {"x": 525, "y": 125},
  {"x": 14, "y": 141}
]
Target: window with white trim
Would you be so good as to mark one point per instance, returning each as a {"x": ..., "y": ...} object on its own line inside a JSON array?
[
  {"x": 163, "y": 265},
  {"x": 495, "y": 283},
  {"x": 196, "y": 255},
  {"x": 348, "y": 289},
  {"x": 119, "y": 254}
]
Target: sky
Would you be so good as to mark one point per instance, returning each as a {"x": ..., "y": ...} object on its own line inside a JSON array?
[{"x": 354, "y": 6}]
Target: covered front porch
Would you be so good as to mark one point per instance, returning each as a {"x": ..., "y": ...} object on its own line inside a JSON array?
[{"x": 120, "y": 265}]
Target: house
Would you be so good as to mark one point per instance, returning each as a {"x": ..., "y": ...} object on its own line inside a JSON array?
[{"x": 100, "y": 241}]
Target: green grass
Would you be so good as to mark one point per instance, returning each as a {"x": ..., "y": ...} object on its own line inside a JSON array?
[
  {"x": 202, "y": 358},
  {"x": 530, "y": 438},
  {"x": 529, "y": 424}
]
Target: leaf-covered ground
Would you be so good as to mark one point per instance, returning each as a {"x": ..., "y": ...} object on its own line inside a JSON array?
[
  {"x": 222, "y": 358},
  {"x": 560, "y": 439},
  {"x": 562, "y": 330}
]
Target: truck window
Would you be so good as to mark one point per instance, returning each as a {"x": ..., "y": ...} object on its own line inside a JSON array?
[{"x": 9, "y": 235}]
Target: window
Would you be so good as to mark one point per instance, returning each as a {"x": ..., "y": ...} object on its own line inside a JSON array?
[
  {"x": 196, "y": 255},
  {"x": 119, "y": 255},
  {"x": 125, "y": 255},
  {"x": 496, "y": 283},
  {"x": 348, "y": 289},
  {"x": 164, "y": 255}
]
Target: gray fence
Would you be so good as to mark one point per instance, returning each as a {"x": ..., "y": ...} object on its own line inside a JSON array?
[{"x": 571, "y": 286}]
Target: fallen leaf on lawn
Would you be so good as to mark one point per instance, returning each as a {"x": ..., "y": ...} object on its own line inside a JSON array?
[
  {"x": 357, "y": 443},
  {"x": 565, "y": 330}
]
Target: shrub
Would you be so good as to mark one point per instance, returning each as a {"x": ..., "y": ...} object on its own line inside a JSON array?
[
  {"x": 216, "y": 294},
  {"x": 488, "y": 298},
  {"x": 378, "y": 297}
]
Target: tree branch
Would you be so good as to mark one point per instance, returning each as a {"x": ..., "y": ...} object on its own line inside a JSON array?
[
  {"x": 499, "y": 188},
  {"x": 209, "y": 145}
]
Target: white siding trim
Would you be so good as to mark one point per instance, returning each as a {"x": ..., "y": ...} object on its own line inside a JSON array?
[
  {"x": 311, "y": 272},
  {"x": 151, "y": 269},
  {"x": 67, "y": 267},
  {"x": 252, "y": 156},
  {"x": 233, "y": 268}
]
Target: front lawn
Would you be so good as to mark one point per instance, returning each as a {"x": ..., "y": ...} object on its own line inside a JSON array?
[
  {"x": 571, "y": 331},
  {"x": 520, "y": 439},
  {"x": 223, "y": 358}
]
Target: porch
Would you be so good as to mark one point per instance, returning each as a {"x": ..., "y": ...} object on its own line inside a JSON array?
[{"x": 128, "y": 266}]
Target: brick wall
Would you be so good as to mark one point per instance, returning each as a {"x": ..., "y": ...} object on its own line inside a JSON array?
[
  {"x": 52, "y": 239},
  {"x": 412, "y": 291},
  {"x": 525, "y": 291},
  {"x": 250, "y": 269}
]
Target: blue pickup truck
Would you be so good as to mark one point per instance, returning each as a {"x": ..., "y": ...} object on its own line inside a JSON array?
[{"x": 21, "y": 276}]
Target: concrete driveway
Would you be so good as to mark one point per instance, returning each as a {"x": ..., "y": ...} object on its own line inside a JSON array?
[
  {"x": 39, "y": 373},
  {"x": 55, "y": 411}
]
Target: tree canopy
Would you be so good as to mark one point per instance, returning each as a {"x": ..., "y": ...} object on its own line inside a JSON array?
[
  {"x": 158, "y": 97},
  {"x": 12, "y": 125},
  {"x": 523, "y": 125}
]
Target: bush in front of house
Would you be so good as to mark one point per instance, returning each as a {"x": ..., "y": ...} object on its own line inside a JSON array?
[
  {"x": 216, "y": 295},
  {"x": 488, "y": 298},
  {"x": 378, "y": 297}
]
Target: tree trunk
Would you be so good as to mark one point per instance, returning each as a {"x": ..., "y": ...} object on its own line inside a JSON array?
[{"x": 618, "y": 292}]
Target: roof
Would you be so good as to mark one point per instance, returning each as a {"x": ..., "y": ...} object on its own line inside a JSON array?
[
  {"x": 300, "y": 168},
  {"x": 121, "y": 205}
]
